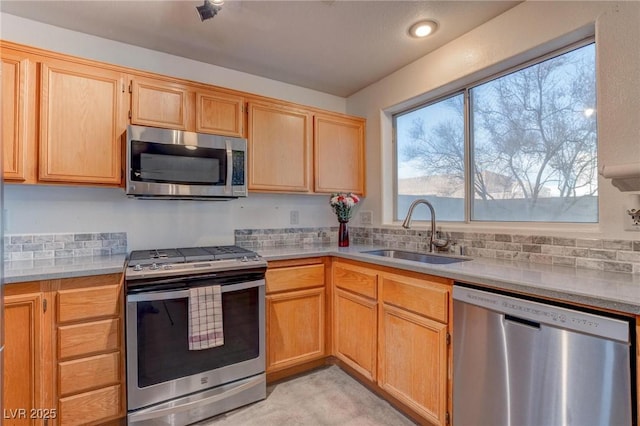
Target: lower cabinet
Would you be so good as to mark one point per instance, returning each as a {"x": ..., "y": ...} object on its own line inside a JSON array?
[
  {"x": 413, "y": 344},
  {"x": 295, "y": 313},
  {"x": 393, "y": 329},
  {"x": 89, "y": 355},
  {"x": 64, "y": 352},
  {"x": 25, "y": 332},
  {"x": 355, "y": 317}
]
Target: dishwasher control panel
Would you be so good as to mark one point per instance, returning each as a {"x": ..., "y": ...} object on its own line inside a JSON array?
[{"x": 536, "y": 312}]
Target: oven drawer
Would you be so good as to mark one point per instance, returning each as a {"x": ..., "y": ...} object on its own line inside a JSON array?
[
  {"x": 88, "y": 373},
  {"x": 89, "y": 338},
  {"x": 90, "y": 407},
  {"x": 295, "y": 278},
  {"x": 88, "y": 303}
]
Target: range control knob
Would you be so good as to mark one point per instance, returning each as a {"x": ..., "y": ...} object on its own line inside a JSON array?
[
  {"x": 137, "y": 267},
  {"x": 154, "y": 266},
  {"x": 167, "y": 266},
  {"x": 244, "y": 259}
]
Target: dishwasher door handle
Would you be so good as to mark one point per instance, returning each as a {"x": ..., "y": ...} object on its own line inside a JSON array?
[{"x": 526, "y": 322}]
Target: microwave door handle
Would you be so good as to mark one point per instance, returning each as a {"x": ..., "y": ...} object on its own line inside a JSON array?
[{"x": 227, "y": 188}]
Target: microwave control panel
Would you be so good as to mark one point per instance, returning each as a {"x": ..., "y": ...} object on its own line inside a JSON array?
[{"x": 237, "y": 177}]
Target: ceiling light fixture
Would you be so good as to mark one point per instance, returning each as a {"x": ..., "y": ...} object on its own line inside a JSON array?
[
  {"x": 423, "y": 28},
  {"x": 209, "y": 9}
]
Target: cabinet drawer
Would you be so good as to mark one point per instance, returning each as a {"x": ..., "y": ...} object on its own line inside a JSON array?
[
  {"x": 417, "y": 295},
  {"x": 90, "y": 407},
  {"x": 88, "y": 373},
  {"x": 294, "y": 278},
  {"x": 86, "y": 303},
  {"x": 83, "y": 339},
  {"x": 356, "y": 279}
]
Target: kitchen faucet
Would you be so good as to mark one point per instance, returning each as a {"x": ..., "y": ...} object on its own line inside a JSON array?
[{"x": 432, "y": 240}]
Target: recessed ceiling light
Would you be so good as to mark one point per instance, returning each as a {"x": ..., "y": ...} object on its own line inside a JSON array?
[{"x": 423, "y": 28}]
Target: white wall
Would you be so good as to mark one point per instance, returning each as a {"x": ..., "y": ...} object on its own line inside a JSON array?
[
  {"x": 522, "y": 33},
  {"x": 154, "y": 223},
  {"x": 45, "y": 209}
]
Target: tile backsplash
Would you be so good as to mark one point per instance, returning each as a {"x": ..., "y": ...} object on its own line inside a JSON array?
[
  {"x": 256, "y": 239},
  {"x": 600, "y": 254},
  {"x": 49, "y": 246}
]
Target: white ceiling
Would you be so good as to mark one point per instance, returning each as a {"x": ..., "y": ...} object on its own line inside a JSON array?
[{"x": 333, "y": 46}]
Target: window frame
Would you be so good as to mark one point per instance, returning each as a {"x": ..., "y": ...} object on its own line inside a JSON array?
[{"x": 468, "y": 131}]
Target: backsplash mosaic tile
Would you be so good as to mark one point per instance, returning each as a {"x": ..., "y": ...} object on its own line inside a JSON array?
[
  {"x": 53, "y": 246},
  {"x": 599, "y": 254},
  {"x": 285, "y": 237}
]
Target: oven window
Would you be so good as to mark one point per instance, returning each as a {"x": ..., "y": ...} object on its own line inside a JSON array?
[
  {"x": 163, "y": 348},
  {"x": 162, "y": 163}
]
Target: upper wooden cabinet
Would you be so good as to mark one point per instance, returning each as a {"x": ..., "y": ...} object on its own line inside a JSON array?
[
  {"x": 160, "y": 103},
  {"x": 281, "y": 157},
  {"x": 18, "y": 120},
  {"x": 63, "y": 121},
  {"x": 279, "y": 154},
  {"x": 219, "y": 113},
  {"x": 338, "y": 144},
  {"x": 173, "y": 105},
  {"x": 82, "y": 119}
]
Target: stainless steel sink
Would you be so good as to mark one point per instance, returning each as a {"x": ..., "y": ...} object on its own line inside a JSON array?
[{"x": 417, "y": 257}]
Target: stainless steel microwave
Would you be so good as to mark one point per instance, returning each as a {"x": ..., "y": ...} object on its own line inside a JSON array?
[{"x": 174, "y": 164}]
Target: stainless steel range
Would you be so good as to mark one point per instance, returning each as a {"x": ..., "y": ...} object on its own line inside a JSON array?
[{"x": 169, "y": 382}]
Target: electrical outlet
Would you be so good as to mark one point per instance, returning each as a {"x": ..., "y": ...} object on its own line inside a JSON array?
[
  {"x": 294, "y": 217},
  {"x": 366, "y": 217},
  {"x": 632, "y": 220}
]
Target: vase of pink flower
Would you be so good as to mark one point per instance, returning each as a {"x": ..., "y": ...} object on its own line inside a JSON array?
[{"x": 343, "y": 205}]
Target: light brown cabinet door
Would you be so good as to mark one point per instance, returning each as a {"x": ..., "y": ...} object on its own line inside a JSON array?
[
  {"x": 23, "y": 387},
  {"x": 338, "y": 154},
  {"x": 219, "y": 113},
  {"x": 413, "y": 362},
  {"x": 81, "y": 123},
  {"x": 295, "y": 328},
  {"x": 354, "y": 332},
  {"x": 279, "y": 140},
  {"x": 16, "y": 92},
  {"x": 160, "y": 103}
]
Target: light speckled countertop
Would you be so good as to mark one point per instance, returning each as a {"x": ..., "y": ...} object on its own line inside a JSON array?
[
  {"x": 65, "y": 267},
  {"x": 608, "y": 290}
]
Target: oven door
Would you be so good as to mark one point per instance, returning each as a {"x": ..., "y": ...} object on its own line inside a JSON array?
[{"x": 160, "y": 365}]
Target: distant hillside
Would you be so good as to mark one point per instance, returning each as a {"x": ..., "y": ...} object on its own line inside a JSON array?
[{"x": 499, "y": 186}]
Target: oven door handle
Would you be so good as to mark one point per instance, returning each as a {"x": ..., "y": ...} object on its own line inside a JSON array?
[{"x": 179, "y": 294}]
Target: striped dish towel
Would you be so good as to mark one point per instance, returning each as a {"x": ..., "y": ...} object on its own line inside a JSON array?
[{"x": 205, "y": 318}]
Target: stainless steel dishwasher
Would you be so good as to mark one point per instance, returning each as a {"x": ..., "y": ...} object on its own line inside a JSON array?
[{"x": 521, "y": 362}]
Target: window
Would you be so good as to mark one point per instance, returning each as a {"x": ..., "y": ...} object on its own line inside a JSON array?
[{"x": 524, "y": 144}]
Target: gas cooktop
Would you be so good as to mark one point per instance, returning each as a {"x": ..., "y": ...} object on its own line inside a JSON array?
[{"x": 189, "y": 260}]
